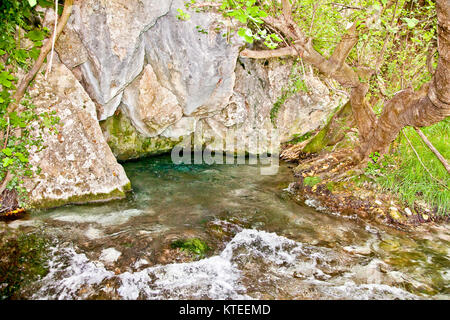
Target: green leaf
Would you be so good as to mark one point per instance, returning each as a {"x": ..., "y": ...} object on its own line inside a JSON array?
[
  {"x": 21, "y": 157},
  {"x": 242, "y": 32},
  {"x": 7, "y": 151},
  {"x": 35, "y": 35},
  {"x": 7, "y": 162},
  {"x": 5, "y": 79},
  {"x": 32, "y": 3},
  {"x": 411, "y": 22},
  {"x": 275, "y": 37}
]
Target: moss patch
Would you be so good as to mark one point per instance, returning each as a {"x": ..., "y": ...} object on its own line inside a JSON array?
[
  {"x": 195, "y": 246},
  {"x": 116, "y": 194},
  {"x": 127, "y": 143},
  {"x": 334, "y": 131}
]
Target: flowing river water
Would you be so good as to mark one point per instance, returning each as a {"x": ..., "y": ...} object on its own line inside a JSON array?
[{"x": 263, "y": 244}]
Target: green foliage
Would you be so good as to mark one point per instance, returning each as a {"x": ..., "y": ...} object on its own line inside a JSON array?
[
  {"x": 183, "y": 15},
  {"x": 405, "y": 175},
  {"x": 195, "y": 246},
  {"x": 377, "y": 166},
  {"x": 311, "y": 181},
  {"x": 297, "y": 138},
  {"x": 21, "y": 38},
  {"x": 295, "y": 84},
  {"x": 250, "y": 14}
]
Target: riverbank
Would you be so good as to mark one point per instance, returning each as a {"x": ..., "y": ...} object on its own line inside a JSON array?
[{"x": 357, "y": 193}]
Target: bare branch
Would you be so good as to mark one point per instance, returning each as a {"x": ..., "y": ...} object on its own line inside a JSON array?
[
  {"x": 49, "y": 66},
  {"x": 433, "y": 149},
  {"x": 342, "y": 50},
  {"x": 265, "y": 54},
  {"x": 423, "y": 165},
  {"x": 40, "y": 60},
  {"x": 30, "y": 76}
]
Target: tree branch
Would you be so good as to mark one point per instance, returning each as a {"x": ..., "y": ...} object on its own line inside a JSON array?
[
  {"x": 343, "y": 48},
  {"x": 423, "y": 165},
  {"x": 31, "y": 74},
  {"x": 433, "y": 149},
  {"x": 20, "y": 92}
]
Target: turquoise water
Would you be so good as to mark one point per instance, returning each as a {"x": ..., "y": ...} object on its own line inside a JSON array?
[{"x": 263, "y": 244}]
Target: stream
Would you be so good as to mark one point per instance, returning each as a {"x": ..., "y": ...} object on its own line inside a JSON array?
[{"x": 263, "y": 244}]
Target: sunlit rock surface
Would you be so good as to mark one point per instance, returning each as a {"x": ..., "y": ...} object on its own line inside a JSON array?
[
  {"x": 169, "y": 79},
  {"x": 76, "y": 164}
]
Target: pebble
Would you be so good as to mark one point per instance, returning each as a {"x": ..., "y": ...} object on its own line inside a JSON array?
[{"x": 110, "y": 255}]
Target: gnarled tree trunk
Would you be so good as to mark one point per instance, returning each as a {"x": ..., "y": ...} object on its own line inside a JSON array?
[
  {"x": 422, "y": 108},
  {"x": 425, "y": 107}
]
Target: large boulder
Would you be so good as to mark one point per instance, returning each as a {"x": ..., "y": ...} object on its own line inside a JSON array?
[
  {"x": 110, "y": 32},
  {"x": 76, "y": 165},
  {"x": 156, "y": 79}
]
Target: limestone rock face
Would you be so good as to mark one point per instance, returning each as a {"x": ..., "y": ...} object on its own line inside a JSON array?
[
  {"x": 198, "y": 68},
  {"x": 126, "y": 142},
  {"x": 161, "y": 79},
  {"x": 151, "y": 107},
  {"x": 111, "y": 32},
  {"x": 77, "y": 165},
  {"x": 259, "y": 87}
]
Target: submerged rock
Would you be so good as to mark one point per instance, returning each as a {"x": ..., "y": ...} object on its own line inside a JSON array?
[{"x": 110, "y": 255}]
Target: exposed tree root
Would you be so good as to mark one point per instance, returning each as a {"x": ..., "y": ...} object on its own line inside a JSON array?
[
  {"x": 336, "y": 190},
  {"x": 9, "y": 207}
]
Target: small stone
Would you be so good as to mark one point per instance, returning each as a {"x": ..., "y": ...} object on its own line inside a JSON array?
[
  {"x": 110, "y": 255},
  {"x": 395, "y": 214},
  {"x": 378, "y": 211},
  {"x": 408, "y": 211},
  {"x": 357, "y": 250}
]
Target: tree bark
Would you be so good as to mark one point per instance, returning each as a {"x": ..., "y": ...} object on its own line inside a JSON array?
[
  {"x": 422, "y": 108},
  {"x": 425, "y": 107}
]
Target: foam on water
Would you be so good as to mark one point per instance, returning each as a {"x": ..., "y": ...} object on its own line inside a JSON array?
[
  {"x": 104, "y": 219},
  {"x": 214, "y": 278},
  {"x": 225, "y": 276},
  {"x": 69, "y": 271}
]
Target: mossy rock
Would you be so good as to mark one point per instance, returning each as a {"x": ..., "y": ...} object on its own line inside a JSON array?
[
  {"x": 195, "y": 246},
  {"x": 334, "y": 131},
  {"x": 116, "y": 194},
  {"x": 127, "y": 143}
]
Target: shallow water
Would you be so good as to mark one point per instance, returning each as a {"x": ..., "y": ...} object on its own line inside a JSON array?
[{"x": 263, "y": 244}]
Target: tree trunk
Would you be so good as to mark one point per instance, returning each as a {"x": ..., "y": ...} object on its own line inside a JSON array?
[{"x": 425, "y": 107}]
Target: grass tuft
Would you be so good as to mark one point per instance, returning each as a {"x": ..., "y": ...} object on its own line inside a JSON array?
[{"x": 410, "y": 180}]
